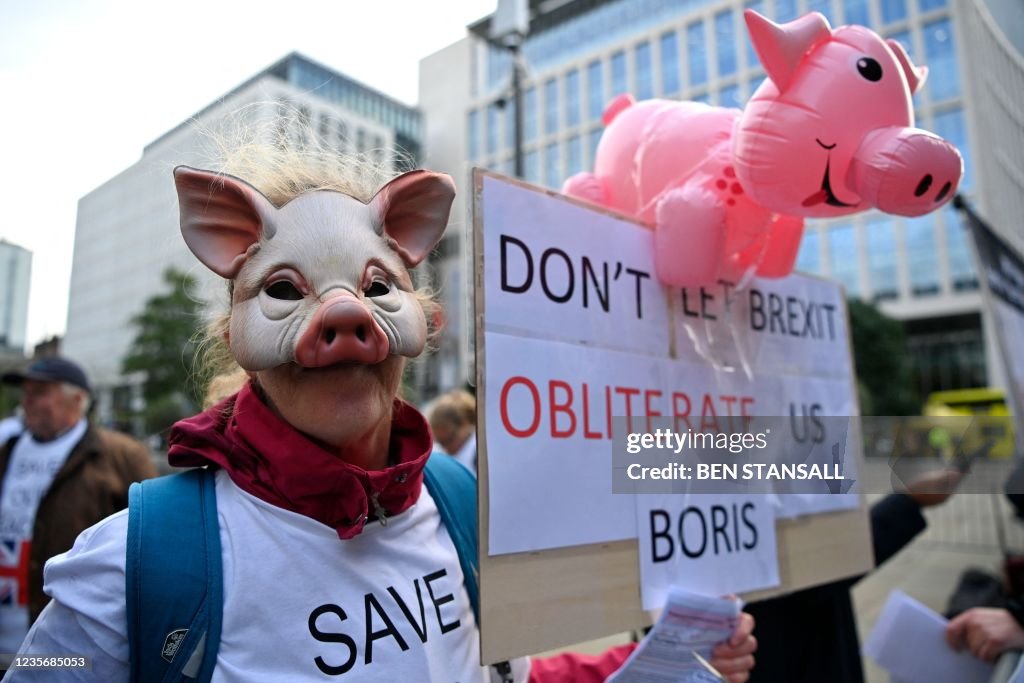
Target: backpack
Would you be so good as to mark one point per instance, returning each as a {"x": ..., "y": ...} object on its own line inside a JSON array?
[{"x": 173, "y": 573}]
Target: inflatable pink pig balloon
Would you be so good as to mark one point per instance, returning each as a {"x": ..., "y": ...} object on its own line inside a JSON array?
[{"x": 829, "y": 133}]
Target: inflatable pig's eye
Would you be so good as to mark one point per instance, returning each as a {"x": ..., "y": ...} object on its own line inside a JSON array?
[
  {"x": 377, "y": 288},
  {"x": 869, "y": 69},
  {"x": 283, "y": 290}
]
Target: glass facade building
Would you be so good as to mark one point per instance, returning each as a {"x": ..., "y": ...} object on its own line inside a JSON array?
[
  {"x": 336, "y": 88},
  {"x": 582, "y": 54}
]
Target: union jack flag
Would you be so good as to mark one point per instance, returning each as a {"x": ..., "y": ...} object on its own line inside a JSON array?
[{"x": 14, "y": 561}]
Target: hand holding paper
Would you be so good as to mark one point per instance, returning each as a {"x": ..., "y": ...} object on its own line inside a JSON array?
[
  {"x": 713, "y": 627},
  {"x": 986, "y": 632},
  {"x": 909, "y": 640}
]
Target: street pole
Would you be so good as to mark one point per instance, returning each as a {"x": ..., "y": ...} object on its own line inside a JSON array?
[{"x": 517, "y": 103}]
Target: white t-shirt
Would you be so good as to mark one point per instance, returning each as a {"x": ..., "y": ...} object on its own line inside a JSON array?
[
  {"x": 30, "y": 472},
  {"x": 299, "y": 604}
]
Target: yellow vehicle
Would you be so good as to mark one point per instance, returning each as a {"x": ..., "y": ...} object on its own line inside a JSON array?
[{"x": 991, "y": 424}]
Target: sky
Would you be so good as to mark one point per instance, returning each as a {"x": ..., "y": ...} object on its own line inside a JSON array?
[{"x": 88, "y": 83}]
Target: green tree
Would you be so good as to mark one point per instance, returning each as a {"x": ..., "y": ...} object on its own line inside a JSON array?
[
  {"x": 164, "y": 350},
  {"x": 883, "y": 363}
]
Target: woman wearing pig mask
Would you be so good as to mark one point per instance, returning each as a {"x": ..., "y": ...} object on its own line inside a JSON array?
[{"x": 336, "y": 561}]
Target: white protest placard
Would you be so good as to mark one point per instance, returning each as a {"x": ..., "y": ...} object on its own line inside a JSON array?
[
  {"x": 576, "y": 331},
  {"x": 711, "y": 544},
  {"x": 579, "y": 348}
]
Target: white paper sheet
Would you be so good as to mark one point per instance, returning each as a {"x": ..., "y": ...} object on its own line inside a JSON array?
[
  {"x": 689, "y": 623},
  {"x": 711, "y": 544},
  {"x": 909, "y": 642}
]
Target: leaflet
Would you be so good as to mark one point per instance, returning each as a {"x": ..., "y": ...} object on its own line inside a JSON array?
[{"x": 690, "y": 623}]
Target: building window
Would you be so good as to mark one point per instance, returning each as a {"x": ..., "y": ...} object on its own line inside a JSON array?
[
  {"x": 619, "y": 74},
  {"x": 592, "y": 141},
  {"x": 893, "y": 10},
  {"x": 573, "y": 156},
  {"x": 961, "y": 267},
  {"x": 492, "y": 128},
  {"x": 510, "y": 123},
  {"x": 843, "y": 257},
  {"x": 530, "y": 115},
  {"x": 881, "y": 238},
  {"x": 473, "y": 134},
  {"x": 929, "y": 5},
  {"x": 552, "y": 173},
  {"x": 823, "y": 6},
  {"x": 341, "y": 132},
  {"x": 951, "y": 126},
  {"x": 550, "y": 106},
  {"x": 751, "y": 54},
  {"x": 857, "y": 12},
  {"x": 808, "y": 260},
  {"x": 669, "y": 44},
  {"x": 785, "y": 10},
  {"x": 730, "y": 97},
  {"x": 644, "y": 71},
  {"x": 572, "y": 98},
  {"x": 940, "y": 55},
  {"x": 696, "y": 51},
  {"x": 725, "y": 42},
  {"x": 532, "y": 167},
  {"x": 595, "y": 91},
  {"x": 922, "y": 258}
]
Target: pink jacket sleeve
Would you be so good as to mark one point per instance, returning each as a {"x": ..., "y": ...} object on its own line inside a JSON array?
[{"x": 579, "y": 668}]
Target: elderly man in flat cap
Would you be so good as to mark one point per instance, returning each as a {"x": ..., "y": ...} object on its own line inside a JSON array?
[{"x": 58, "y": 477}]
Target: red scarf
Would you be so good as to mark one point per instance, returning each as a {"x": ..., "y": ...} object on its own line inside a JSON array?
[{"x": 268, "y": 458}]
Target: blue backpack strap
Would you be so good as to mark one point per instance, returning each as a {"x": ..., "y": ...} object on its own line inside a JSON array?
[
  {"x": 173, "y": 574},
  {"x": 453, "y": 488}
]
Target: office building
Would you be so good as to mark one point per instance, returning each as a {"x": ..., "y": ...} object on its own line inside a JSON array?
[
  {"x": 581, "y": 53},
  {"x": 15, "y": 276},
  {"x": 127, "y": 229}
]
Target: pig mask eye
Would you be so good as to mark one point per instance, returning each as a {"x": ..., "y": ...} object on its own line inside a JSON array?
[
  {"x": 377, "y": 288},
  {"x": 870, "y": 69},
  {"x": 283, "y": 290}
]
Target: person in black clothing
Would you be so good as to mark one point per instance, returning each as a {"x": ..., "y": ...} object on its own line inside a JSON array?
[{"x": 811, "y": 635}]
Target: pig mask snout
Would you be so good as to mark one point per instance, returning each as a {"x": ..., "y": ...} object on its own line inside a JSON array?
[{"x": 342, "y": 330}]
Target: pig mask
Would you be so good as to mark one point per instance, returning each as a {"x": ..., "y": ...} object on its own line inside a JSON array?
[{"x": 322, "y": 280}]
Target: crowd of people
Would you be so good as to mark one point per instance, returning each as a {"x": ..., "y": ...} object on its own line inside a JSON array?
[{"x": 327, "y": 530}]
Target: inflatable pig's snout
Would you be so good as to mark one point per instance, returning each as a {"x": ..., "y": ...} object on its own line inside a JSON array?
[{"x": 905, "y": 171}]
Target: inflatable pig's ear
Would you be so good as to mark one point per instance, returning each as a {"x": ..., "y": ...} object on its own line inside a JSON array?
[
  {"x": 221, "y": 217},
  {"x": 412, "y": 210},
  {"x": 916, "y": 75},
  {"x": 781, "y": 47}
]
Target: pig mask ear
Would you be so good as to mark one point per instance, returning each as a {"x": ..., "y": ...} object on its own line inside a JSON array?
[
  {"x": 781, "y": 47},
  {"x": 221, "y": 218},
  {"x": 916, "y": 75},
  {"x": 412, "y": 211}
]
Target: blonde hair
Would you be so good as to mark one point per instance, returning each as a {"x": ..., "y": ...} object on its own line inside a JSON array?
[
  {"x": 284, "y": 157},
  {"x": 456, "y": 408}
]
